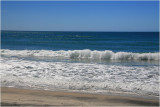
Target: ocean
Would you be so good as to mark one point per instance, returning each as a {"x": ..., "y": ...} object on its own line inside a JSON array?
[{"x": 94, "y": 62}]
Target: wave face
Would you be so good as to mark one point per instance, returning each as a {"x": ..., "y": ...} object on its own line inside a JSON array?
[{"x": 84, "y": 54}]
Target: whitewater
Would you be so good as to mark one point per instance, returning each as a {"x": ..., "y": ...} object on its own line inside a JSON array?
[
  {"x": 84, "y": 54},
  {"x": 17, "y": 70}
]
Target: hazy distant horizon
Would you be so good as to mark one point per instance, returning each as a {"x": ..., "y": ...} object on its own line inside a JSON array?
[{"x": 74, "y": 31}]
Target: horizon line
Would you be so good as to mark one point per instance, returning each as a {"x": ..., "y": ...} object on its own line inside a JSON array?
[{"x": 73, "y": 31}]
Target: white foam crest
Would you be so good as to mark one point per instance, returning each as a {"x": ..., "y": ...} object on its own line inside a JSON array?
[{"x": 83, "y": 54}]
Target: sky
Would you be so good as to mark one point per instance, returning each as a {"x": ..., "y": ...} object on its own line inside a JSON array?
[{"x": 80, "y": 15}]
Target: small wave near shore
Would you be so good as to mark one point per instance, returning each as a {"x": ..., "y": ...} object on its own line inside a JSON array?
[{"x": 84, "y": 54}]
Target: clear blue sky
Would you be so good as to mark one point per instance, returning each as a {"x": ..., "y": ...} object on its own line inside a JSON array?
[{"x": 80, "y": 15}]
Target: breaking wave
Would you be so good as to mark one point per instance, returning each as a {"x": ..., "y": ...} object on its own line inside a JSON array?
[{"x": 83, "y": 54}]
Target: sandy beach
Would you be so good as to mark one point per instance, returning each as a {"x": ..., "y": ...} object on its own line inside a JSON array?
[{"x": 27, "y": 97}]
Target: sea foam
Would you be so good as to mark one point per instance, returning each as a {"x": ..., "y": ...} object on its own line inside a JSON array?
[
  {"x": 17, "y": 72},
  {"x": 84, "y": 54}
]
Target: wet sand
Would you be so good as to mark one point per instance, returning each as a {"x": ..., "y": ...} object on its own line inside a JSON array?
[{"x": 27, "y": 97}]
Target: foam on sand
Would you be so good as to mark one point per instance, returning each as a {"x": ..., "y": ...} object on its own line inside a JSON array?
[{"x": 93, "y": 77}]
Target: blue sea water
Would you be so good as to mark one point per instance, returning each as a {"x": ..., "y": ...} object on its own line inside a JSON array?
[
  {"x": 81, "y": 61},
  {"x": 114, "y": 41}
]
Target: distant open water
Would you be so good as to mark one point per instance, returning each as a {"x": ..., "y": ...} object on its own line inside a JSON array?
[{"x": 81, "y": 61}]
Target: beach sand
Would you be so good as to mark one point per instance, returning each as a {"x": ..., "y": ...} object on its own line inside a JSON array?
[{"x": 27, "y": 97}]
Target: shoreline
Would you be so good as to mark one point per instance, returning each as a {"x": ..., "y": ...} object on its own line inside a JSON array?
[{"x": 28, "y": 97}]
